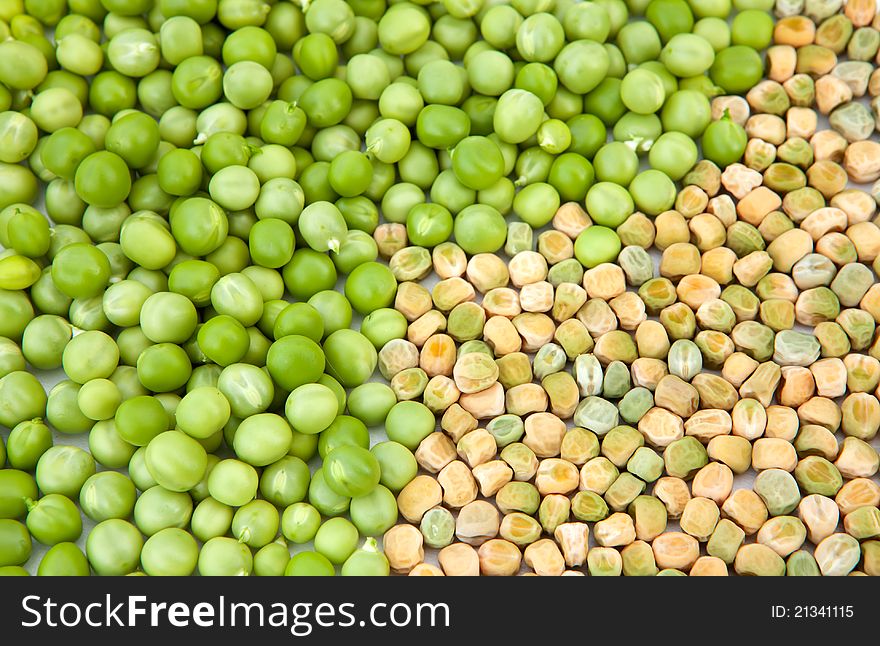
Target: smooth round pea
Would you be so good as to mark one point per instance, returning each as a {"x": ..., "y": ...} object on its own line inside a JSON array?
[
  {"x": 324, "y": 498},
  {"x": 15, "y": 542},
  {"x": 64, "y": 559},
  {"x": 262, "y": 439},
  {"x": 106, "y": 495},
  {"x": 351, "y": 471},
  {"x": 480, "y": 228},
  {"x": 309, "y": 564},
  {"x": 311, "y": 408},
  {"x": 596, "y": 245},
  {"x": 248, "y": 389},
  {"x": 336, "y": 540},
  {"x": 170, "y": 552},
  {"x": 371, "y": 403},
  {"x": 107, "y": 447},
  {"x": 256, "y": 523},
  {"x": 285, "y": 482},
  {"x": 114, "y": 547},
  {"x": 374, "y": 513},
  {"x": 653, "y": 192},
  {"x": 63, "y": 469},
  {"x": 223, "y": 556},
  {"x": 17, "y": 486},
  {"x": 300, "y": 522},
  {"x": 351, "y": 358},
  {"x": 54, "y": 519},
  {"x": 176, "y": 461},
  {"x": 26, "y": 443},
  {"x": 158, "y": 508},
  {"x": 409, "y": 422},
  {"x": 674, "y": 153}
]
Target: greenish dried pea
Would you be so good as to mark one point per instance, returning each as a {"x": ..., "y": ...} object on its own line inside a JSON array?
[
  {"x": 779, "y": 491},
  {"x": 635, "y": 404},
  {"x": 816, "y": 475},
  {"x": 684, "y": 457}
]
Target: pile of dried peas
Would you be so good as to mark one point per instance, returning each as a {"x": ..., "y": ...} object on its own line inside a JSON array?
[{"x": 555, "y": 402}]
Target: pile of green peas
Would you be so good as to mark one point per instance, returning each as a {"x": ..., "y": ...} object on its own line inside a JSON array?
[{"x": 211, "y": 169}]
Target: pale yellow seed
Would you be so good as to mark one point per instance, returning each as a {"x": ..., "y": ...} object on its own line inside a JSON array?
[
  {"x": 435, "y": 452},
  {"x": 403, "y": 547}
]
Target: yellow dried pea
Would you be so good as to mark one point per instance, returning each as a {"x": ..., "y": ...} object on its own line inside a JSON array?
[
  {"x": 426, "y": 569},
  {"x": 756, "y": 559},
  {"x": 597, "y": 475},
  {"x": 425, "y": 326},
  {"x": 691, "y": 201},
  {"x": 544, "y": 433},
  {"x": 437, "y": 356},
  {"x": 795, "y": 31},
  {"x": 544, "y": 557},
  {"x": 456, "y": 421},
  {"x": 502, "y": 301},
  {"x": 700, "y": 517},
  {"x": 477, "y": 522},
  {"x": 499, "y": 557},
  {"x": 707, "y": 231},
  {"x": 404, "y": 548},
  {"x": 615, "y": 531},
  {"x": 674, "y": 494},
  {"x": 418, "y": 496},
  {"x": 826, "y": 176},
  {"x": 390, "y": 238},
  {"x": 860, "y": 12},
  {"x": 781, "y": 62},
  {"x": 459, "y": 486},
  {"x": 858, "y": 205},
  {"x": 740, "y": 180},
  {"x": 680, "y": 259},
  {"x": 604, "y": 281},
  {"x": 715, "y": 392},
  {"x": 858, "y": 492},
  {"x": 783, "y": 534},
  {"x": 527, "y": 267},
  {"x": 485, "y": 403},
  {"x": 820, "y": 515},
  {"x": 709, "y": 566},
  {"x": 759, "y": 154},
  {"x": 769, "y": 127},
  {"x": 486, "y": 271},
  {"x": 746, "y": 509},
  {"x": 831, "y": 92},
  {"x": 862, "y": 161},
  {"x": 491, "y": 476},
  {"x": 713, "y": 481},
  {"x": 629, "y": 309},
  {"x": 571, "y": 219},
  {"x": 435, "y": 452},
  {"x": 573, "y": 539},
  {"x": 672, "y": 228},
  {"x": 477, "y": 447},
  {"x": 567, "y": 300},
  {"x": 637, "y": 230},
  {"x": 675, "y": 550},
  {"x": 537, "y": 297},
  {"x": 536, "y": 330},
  {"x": 502, "y": 336},
  {"x": 449, "y": 260},
  {"x": 801, "y": 123},
  {"x": 597, "y": 316},
  {"x": 412, "y": 300},
  {"x": 796, "y": 386},
  {"x": 459, "y": 559}
]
